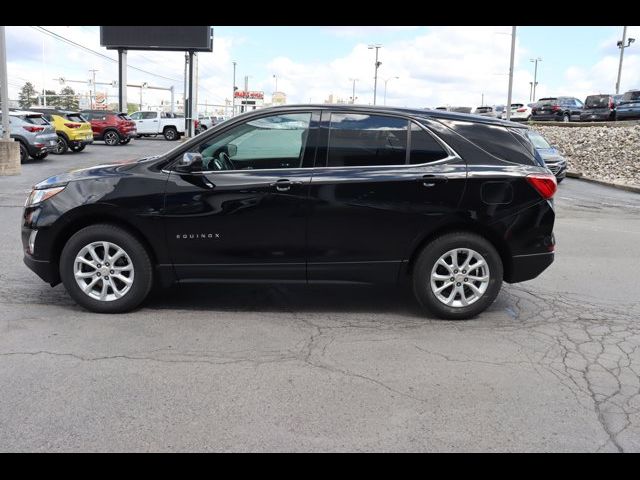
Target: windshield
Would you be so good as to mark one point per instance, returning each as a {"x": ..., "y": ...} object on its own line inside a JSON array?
[
  {"x": 537, "y": 140},
  {"x": 597, "y": 101}
]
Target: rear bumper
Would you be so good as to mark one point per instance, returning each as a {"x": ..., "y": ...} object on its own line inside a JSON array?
[{"x": 527, "y": 267}]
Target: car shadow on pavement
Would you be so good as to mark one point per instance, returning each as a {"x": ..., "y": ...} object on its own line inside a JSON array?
[{"x": 288, "y": 298}]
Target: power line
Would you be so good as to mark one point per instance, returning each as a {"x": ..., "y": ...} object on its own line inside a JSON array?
[{"x": 71, "y": 42}]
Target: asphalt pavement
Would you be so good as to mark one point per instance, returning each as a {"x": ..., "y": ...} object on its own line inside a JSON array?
[{"x": 553, "y": 365}]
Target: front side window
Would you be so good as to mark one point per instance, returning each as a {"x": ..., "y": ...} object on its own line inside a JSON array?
[
  {"x": 136, "y": 116},
  {"x": 276, "y": 141},
  {"x": 357, "y": 140},
  {"x": 424, "y": 148}
]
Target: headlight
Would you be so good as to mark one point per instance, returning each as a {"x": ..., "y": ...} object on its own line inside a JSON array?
[{"x": 37, "y": 196}]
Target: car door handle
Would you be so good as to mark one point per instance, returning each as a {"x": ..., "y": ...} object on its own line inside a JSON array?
[
  {"x": 432, "y": 180},
  {"x": 284, "y": 184}
]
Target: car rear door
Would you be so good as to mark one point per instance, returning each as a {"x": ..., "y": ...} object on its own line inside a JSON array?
[{"x": 380, "y": 182}]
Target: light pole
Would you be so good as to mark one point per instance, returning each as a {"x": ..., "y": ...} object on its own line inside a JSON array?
[
  {"x": 385, "y": 88},
  {"x": 622, "y": 46},
  {"x": 375, "y": 76},
  {"x": 482, "y": 103},
  {"x": 93, "y": 84},
  {"x": 513, "y": 50},
  {"x": 535, "y": 76},
  {"x": 233, "y": 97},
  {"x": 276, "y": 78},
  {"x": 531, "y": 91},
  {"x": 353, "y": 94}
]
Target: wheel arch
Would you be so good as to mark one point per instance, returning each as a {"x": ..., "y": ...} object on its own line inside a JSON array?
[{"x": 496, "y": 240}]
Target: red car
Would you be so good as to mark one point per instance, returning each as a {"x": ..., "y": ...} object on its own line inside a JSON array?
[{"x": 112, "y": 127}]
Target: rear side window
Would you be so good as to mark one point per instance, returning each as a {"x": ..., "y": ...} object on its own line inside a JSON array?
[
  {"x": 357, "y": 140},
  {"x": 631, "y": 96},
  {"x": 496, "y": 140},
  {"x": 424, "y": 147},
  {"x": 597, "y": 101}
]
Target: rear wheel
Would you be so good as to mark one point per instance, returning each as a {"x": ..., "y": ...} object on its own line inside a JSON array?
[
  {"x": 106, "y": 269},
  {"x": 566, "y": 117},
  {"x": 62, "y": 146},
  {"x": 457, "y": 275},
  {"x": 77, "y": 148},
  {"x": 125, "y": 141},
  {"x": 111, "y": 138},
  {"x": 170, "y": 133},
  {"x": 41, "y": 156}
]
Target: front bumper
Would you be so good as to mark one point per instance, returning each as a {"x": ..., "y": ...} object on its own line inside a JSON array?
[{"x": 42, "y": 268}]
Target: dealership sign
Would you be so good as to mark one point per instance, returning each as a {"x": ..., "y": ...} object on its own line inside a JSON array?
[{"x": 249, "y": 94}]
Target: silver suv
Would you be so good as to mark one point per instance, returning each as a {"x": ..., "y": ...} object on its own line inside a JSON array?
[{"x": 36, "y": 136}]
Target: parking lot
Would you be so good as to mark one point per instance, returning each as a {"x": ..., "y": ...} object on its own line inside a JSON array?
[{"x": 553, "y": 365}]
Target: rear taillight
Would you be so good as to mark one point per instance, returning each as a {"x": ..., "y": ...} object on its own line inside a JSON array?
[
  {"x": 533, "y": 109},
  {"x": 33, "y": 128},
  {"x": 521, "y": 110},
  {"x": 611, "y": 104},
  {"x": 556, "y": 108},
  {"x": 544, "y": 183},
  {"x": 72, "y": 125}
]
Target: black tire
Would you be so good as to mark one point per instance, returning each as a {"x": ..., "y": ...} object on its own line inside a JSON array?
[
  {"x": 62, "y": 146},
  {"x": 41, "y": 156},
  {"x": 77, "y": 148},
  {"x": 125, "y": 141},
  {"x": 559, "y": 180},
  {"x": 111, "y": 138},
  {"x": 143, "y": 271},
  {"x": 566, "y": 117},
  {"x": 170, "y": 134},
  {"x": 24, "y": 153},
  {"x": 429, "y": 256}
]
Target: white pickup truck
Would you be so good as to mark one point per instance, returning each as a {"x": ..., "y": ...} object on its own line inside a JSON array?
[{"x": 158, "y": 123}]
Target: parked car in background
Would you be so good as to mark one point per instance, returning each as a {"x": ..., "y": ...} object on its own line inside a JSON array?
[
  {"x": 485, "y": 111},
  {"x": 519, "y": 112},
  {"x": 445, "y": 204},
  {"x": 558, "y": 109},
  {"x": 548, "y": 156},
  {"x": 150, "y": 123},
  {"x": 112, "y": 127},
  {"x": 601, "y": 107},
  {"x": 37, "y": 137},
  {"x": 629, "y": 106},
  {"x": 74, "y": 132}
]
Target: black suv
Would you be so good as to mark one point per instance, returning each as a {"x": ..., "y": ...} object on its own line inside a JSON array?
[
  {"x": 450, "y": 203},
  {"x": 559, "y": 109}
]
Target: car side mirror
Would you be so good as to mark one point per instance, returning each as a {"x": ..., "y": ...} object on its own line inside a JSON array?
[
  {"x": 232, "y": 149},
  {"x": 189, "y": 162}
]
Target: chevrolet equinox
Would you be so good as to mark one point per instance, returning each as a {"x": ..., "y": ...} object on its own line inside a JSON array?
[{"x": 450, "y": 204}]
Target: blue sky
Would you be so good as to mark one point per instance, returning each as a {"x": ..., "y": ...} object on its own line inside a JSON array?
[{"x": 435, "y": 65}]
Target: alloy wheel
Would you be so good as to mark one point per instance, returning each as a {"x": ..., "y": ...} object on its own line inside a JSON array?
[{"x": 460, "y": 277}]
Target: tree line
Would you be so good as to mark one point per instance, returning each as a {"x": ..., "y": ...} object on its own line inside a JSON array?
[{"x": 65, "y": 100}]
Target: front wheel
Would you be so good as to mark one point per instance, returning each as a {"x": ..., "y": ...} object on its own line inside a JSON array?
[
  {"x": 125, "y": 141},
  {"x": 106, "y": 269},
  {"x": 111, "y": 138},
  {"x": 566, "y": 118},
  {"x": 457, "y": 275}
]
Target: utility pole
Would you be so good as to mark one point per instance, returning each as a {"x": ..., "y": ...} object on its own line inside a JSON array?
[
  {"x": 93, "y": 84},
  {"x": 4, "y": 88},
  {"x": 385, "y": 88},
  {"x": 375, "y": 76},
  {"x": 513, "y": 49},
  {"x": 622, "y": 46},
  {"x": 353, "y": 91},
  {"x": 531, "y": 91},
  {"x": 276, "y": 77},
  {"x": 535, "y": 77},
  {"x": 246, "y": 93},
  {"x": 233, "y": 97},
  {"x": 482, "y": 102},
  {"x": 44, "y": 91}
]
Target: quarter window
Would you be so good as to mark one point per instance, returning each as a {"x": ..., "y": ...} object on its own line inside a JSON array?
[
  {"x": 357, "y": 140},
  {"x": 424, "y": 148}
]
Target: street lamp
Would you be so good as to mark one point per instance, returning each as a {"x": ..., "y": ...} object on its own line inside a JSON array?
[
  {"x": 622, "y": 46},
  {"x": 353, "y": 94},
  {"x": 233, "y": 97},
  {"x": 385, "y": 88},
  {"x": 377, "y": 46},
  {"x": 276, "y": 78},
  {"x": 535, "y": 77}
]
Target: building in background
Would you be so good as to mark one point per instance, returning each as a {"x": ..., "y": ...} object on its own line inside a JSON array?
[
  {"x": 333, "y": 100},
  {"x": 278, "y": 98}
]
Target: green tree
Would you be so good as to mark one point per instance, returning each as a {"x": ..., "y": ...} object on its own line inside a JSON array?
[
  {"x": 66, "y": 102},
  {"x": 27, "y": 96},
  {"x": 52, "y": 98}
]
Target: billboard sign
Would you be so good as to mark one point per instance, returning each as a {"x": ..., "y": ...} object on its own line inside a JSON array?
[
  {"x": 172, "y": 38},
  {"x": 249, "y": 95}
]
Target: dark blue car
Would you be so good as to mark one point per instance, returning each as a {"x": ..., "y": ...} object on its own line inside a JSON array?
[
  {"x": 629, "y": 106},
  {"x": 548, "y": 156}
]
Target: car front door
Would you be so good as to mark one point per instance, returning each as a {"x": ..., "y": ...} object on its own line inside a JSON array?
[
  {"x": 372, "y": 197},
  {"x": 147, "y": 123},
  {"x": 241, "y": 214}
]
